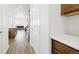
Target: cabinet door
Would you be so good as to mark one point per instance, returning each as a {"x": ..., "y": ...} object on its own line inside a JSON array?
[
  {"x": 64, "y": 49},
  {"x": 69, "y": 9}
]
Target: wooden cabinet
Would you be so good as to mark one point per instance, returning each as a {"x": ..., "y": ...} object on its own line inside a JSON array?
[
  {"x": 69, "y": 9},
  {"x": 59, "y": 48},
  {"x": 12, "y": 33}
]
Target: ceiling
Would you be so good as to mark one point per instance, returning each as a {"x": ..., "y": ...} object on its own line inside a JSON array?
[{"x": 18, "y": 10}]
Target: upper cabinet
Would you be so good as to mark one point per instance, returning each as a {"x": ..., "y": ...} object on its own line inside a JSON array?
[{"x": 69, "y": 9}]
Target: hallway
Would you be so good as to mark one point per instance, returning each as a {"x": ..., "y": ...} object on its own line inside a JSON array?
[
  {"x": 15, "y": 19},
  {"x": 20, "y": 44}
]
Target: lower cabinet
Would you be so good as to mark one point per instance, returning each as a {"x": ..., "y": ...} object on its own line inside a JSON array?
[
  {"x": 60, "y": 48},
  {"x": 12, "y": 33}
]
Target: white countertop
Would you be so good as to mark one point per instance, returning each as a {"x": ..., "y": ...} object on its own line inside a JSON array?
[{"x": 70, "y": 40}]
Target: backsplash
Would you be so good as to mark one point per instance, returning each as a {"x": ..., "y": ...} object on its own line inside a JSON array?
[{"x": 72, "y": 25}]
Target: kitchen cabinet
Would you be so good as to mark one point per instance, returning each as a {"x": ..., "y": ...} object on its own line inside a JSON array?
[
  {"x": 12, "y": 33},
  {"x": 60, "y": 48},
  {"x": 69, "y": 9}
]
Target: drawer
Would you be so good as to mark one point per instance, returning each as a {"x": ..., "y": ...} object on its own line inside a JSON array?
[{"x": 64, "y": 49}]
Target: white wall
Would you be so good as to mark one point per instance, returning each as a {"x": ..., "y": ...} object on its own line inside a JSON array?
[
  {"x": 56, "y": 22},
  {"x": 4, "y": 25},
  {"x": 56, "y": 26},
  {"x": 72, "y": 23}
]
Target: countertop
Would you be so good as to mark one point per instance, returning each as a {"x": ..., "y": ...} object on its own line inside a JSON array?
[{"x": 70, "y": 40}]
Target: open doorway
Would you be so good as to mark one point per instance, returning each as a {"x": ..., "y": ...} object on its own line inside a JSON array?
[{"x": 19, "y": 22}]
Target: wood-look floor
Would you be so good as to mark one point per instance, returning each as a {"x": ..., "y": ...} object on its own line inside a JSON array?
[{"x": 12, "y": 48}]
